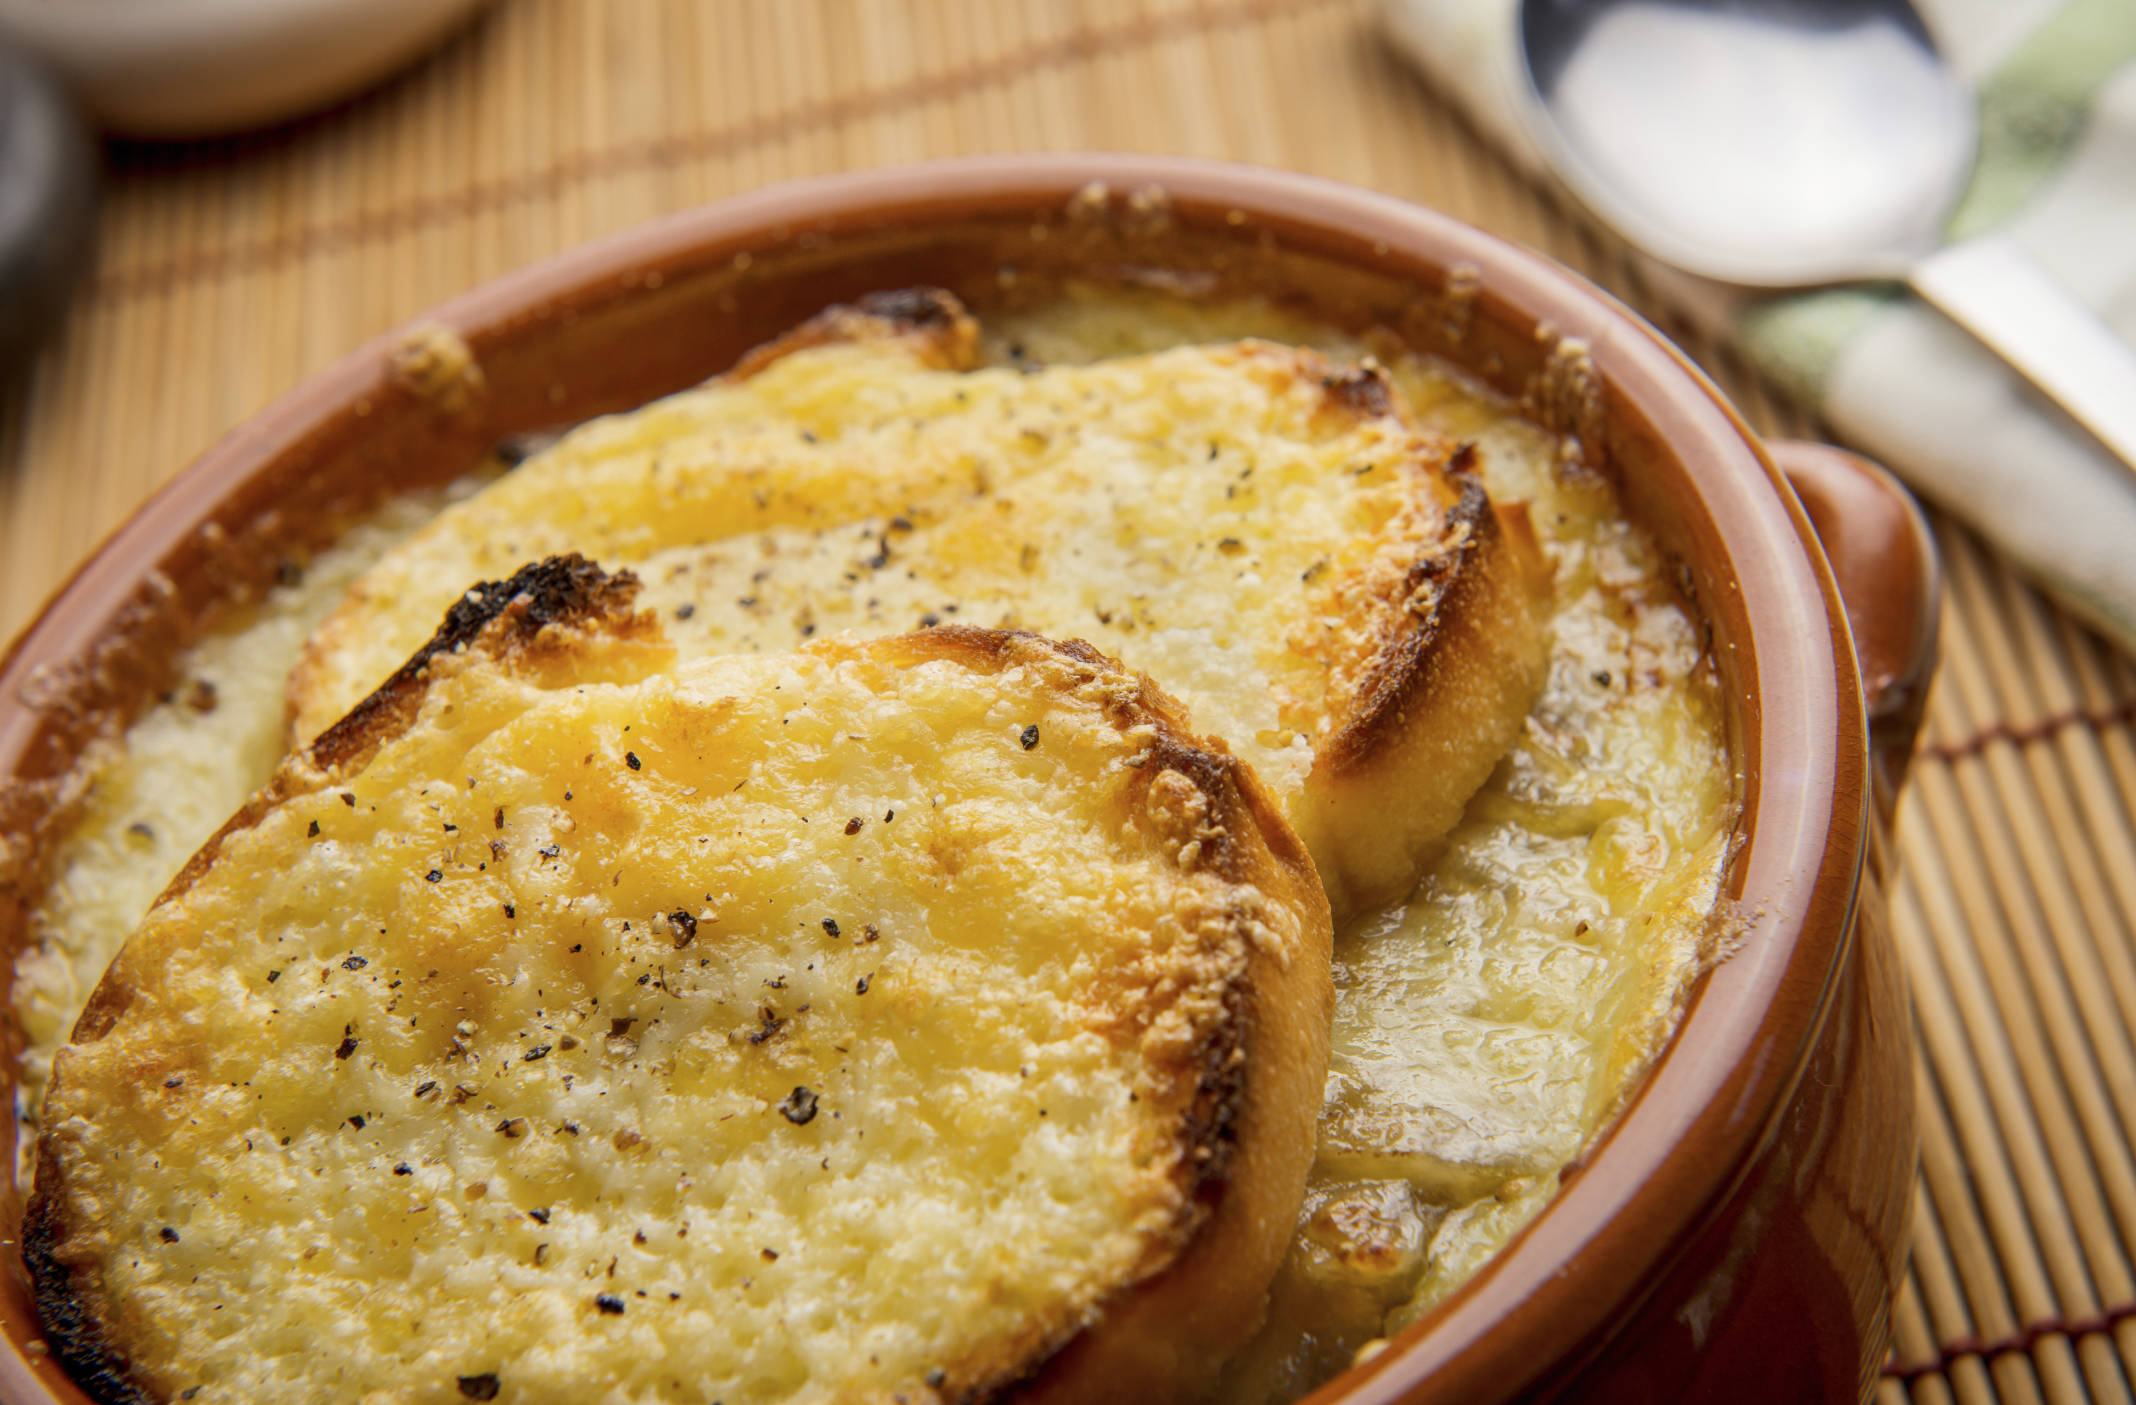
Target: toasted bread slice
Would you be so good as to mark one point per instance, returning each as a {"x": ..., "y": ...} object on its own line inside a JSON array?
[
  {"x": 1261, "y": 529},
  {"x": 911, "y": 1019}
]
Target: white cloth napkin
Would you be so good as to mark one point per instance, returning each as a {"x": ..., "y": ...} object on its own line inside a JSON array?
[{"x": 1894, "y": 378}]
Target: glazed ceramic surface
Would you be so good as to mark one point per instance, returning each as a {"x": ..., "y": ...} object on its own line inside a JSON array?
[{"x": 1739, "y": 1231}]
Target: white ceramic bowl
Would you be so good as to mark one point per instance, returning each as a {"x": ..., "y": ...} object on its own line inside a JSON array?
[{"x": 177, "y": 68}]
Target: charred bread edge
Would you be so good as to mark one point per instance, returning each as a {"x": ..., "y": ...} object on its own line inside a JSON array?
[
  {"x": 72, "y": 1324},
  {"x": 506, "y": 618},
  {"x": 1080, "y": 1366},
  {"x": 1453, "y": 571},
  {"x": 932, "y": 317},
  {"x": 1237, "y": 803}
]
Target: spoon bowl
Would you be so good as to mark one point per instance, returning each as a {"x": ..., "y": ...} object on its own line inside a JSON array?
[
  {"x": 1792, "y": 142},
  {"x": 1788, "y": 143}
]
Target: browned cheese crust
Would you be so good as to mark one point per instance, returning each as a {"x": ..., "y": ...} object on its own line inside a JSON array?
[
  {"x": 1047, "y": 1129},
  {"x": 1259, "y": 527}
]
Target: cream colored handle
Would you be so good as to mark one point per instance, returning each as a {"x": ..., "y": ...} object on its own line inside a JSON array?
[{"x": 1995, "y": 290}]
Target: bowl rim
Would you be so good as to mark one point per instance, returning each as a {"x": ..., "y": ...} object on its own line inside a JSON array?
[{"x": 1712, "y": 1098}]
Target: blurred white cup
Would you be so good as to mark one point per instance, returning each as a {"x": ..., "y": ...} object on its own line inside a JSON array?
[{"x": 178, "y": 68}]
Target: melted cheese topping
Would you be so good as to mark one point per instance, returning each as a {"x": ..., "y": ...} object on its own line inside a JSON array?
[
  {"x": 834, "y": 1025},
  {"x": 1485, "y": 1031},
  {"x": 1260, "y": 527}
]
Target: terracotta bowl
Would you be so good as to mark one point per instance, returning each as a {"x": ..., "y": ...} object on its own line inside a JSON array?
[{"x": 1739, "y": 1232}]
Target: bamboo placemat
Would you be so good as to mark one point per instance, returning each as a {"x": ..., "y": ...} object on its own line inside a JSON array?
[{"x": 225, "y": 272}]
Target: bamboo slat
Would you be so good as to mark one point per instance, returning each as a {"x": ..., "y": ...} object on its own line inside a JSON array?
[{"x": 226, "y": 271}]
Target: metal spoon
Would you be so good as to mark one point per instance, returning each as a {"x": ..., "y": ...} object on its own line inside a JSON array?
[{"x": 1784, "y": 143}]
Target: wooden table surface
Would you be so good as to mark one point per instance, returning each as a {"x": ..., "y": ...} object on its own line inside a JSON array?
[{"x": 227, "y": 271}]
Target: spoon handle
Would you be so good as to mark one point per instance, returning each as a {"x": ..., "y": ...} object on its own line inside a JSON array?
[{"x": 1994, "y": 289}]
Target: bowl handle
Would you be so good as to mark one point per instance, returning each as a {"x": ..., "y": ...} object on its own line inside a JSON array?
[{"x": 1883, "y": 556}]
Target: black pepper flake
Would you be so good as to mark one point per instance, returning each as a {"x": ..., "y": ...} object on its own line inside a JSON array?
[
  {"x": 630, "y": 759},
  {"x": 349, "y": 799},
  {"x": 403, "y": 1169},
  {"x": 860, "y": 987},
  {"x": 167, "y": 1235},
  {"x": 348, "y": 1047},
  {"x": 540, "y": 1216},
  {"x": 482, "y": 1387},
  {"x": 424, "y": 1090},
  {"x": 539, "y": 1051},
  {"x": 936, "y": 1377},
  {"x": 609, "y": 1304},
  {"x": 510, "y": 911},
  {"x": 868, "y": 932},
  {"x": 513, "y": 1126},
  {"x": 930, "y": 620},
  {"x": 1604, "y": 678},
  {"x": 354, "y": 963},
  {"x": 357, "y": 1122},
  {"x": 798, "y": 1107},
  {"x": 853, "y": 826},
  {"x": 685, "y": 610},
  {"x": 174, "y": 1082},
  {"x": 1030, "y": 736},
  {"x": 499, "y": 817},
  {"x": 550, "y": 851},
  {"x": 432, "y": 876},
  {"x": 889, "y": 815},
  {"x": 313, "y": 832},
  {"x": 685, "y": 928},
  {"x": 830, "y": 926}
]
